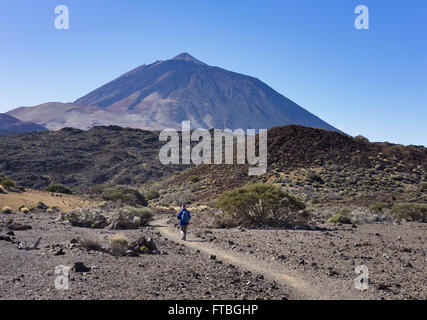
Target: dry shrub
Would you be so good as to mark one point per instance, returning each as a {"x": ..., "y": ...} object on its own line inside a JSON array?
[
  {"x": 7, "y": 210},
  {"x": 90, "y": 244},
  {"x": 144, "y": 214},
  {"x": 111, "y": 215},
  {"x": 120, "y": 220},
  {"x": 91, "y": 217},
  {"x": 24, "y": 210},
  {"x": 178, "y": 198},
  {"x": 119, "y": 244}
]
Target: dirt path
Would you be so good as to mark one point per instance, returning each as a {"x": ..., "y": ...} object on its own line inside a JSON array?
[{"x": 301, "y": 288}]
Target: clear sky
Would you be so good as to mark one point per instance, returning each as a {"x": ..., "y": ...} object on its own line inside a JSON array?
[{"x": 370, "y": 82}]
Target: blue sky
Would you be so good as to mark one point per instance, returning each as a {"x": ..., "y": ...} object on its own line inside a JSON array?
[{"x": 370, "y": 82}]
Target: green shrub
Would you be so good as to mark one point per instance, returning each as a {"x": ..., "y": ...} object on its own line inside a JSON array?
[
  {"x": 144, "y": 213},
  {"x": 313, "y": 177},
  {"x": 410, "y": 211},
  {"x": 7, "y": 183},
  {"x": 339, "y": 218},
  {"x": 41, "y": 206},
  {"x": 396, "y": 177},
  {"x": 194, "y": 179},
  {"x": 124, "y": 195},
  {"x": 361, "y": 138},
  {"x": 379, "y": 206},
  {"x": 423, "y": 186},
  {"x": 258, "y": 205},
  {"x": 142, "y": 249},
  {"x": 58, "y": 188},
  {"x": 153, "y": 194}
]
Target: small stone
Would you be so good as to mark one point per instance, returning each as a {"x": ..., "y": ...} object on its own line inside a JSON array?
[
  {"x": 382, "y": 286},
  {"x": 42, "y": 206},
  {"x": 60, "y": 252},
  {"x": 131, "y": 253},
  {"x": 332, "y": 272},
  {"x": 15, "y": 226},
  {"x": 80, "y": 267}
]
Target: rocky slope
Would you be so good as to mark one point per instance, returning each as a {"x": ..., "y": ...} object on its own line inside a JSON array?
[
  {"x": 10, "y": 126},
  {"x": 79, "y": 158},
  {"x": 318, "y": 165}
]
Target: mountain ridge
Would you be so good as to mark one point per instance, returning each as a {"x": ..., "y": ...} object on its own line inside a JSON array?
[
  {"x": 111, "y": 154},
  {"x": 10, "y": 125},
  {"x": 165, "y": 93}
]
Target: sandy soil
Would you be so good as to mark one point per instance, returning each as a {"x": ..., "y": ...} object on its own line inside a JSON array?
[{"x": 30, "y": 198}]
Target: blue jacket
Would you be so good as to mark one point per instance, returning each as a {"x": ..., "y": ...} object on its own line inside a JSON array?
[{"x": 179, "y": 217}]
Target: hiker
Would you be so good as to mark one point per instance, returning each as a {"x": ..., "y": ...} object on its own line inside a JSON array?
[{"x": 183, "y": 220}]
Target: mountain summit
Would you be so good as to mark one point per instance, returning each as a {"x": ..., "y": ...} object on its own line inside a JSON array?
[
  {"x": 187, "y": 57},
  {"x": 162, "y": 94}
]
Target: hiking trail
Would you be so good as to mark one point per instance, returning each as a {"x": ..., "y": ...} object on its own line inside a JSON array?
[{"x": 299, "y": 288}]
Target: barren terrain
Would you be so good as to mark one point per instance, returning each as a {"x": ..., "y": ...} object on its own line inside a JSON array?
[
  {"x": 216, "y": 264},
  {"x": 177, "y": 272}
]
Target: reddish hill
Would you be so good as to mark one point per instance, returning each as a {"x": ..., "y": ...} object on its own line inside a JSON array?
[
  {"x": 295, "y": 146},
  {"x": 298, "y": 156}
]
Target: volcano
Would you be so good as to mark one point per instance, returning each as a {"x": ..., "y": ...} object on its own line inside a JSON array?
[{"x": 165, "y": 93}]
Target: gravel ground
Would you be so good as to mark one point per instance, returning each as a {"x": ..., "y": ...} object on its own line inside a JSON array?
[
  {"x": 176, "y": 273},
  {"x": 394, "y": 254}
]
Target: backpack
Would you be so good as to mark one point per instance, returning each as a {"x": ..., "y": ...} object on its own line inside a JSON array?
[{"x": 185, "y": 217}]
